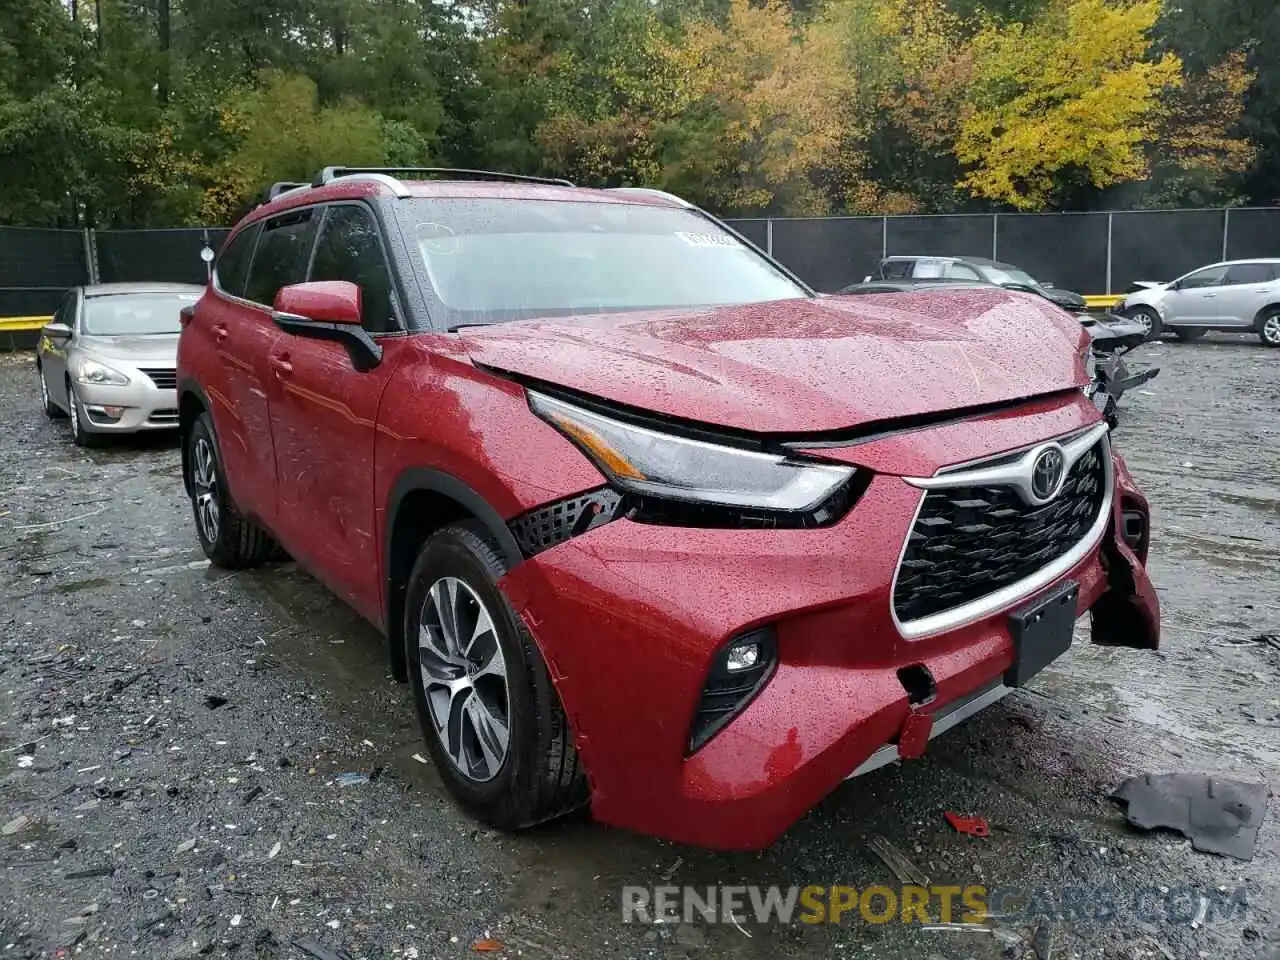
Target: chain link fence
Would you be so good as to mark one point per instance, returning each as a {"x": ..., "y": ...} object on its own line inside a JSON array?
[{"x": 1092, "y": 253}]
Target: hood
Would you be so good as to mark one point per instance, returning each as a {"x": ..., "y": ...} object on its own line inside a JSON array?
[
  {"x": 159, "y": 348},
  {"x": 803, "y": 365},
  {"x": 1065, "y": 298}
]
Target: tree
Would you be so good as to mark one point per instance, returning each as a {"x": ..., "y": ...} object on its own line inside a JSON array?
[
  {"x": 283, "y": 133},
  {"x": 1073, "y": 92}
]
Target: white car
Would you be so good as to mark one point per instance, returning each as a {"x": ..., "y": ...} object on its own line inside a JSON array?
[
  {"x": 1236, "y": 296},
  {"x": 107, "y": 360}
]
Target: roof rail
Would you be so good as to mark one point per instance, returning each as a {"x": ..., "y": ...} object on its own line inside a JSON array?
[
  {"x": 283, "y": 186},
  {"x": 651, "y": 192},
  {"x": 329, "y": 174}
]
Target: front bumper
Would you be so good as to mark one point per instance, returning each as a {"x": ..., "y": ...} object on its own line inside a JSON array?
[
  {"x": 131, "y": 408},
  {"x": 630, "y": 616}
]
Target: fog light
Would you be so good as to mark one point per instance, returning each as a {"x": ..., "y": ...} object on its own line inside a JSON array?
[
  {"x": 742, "y": 656},
  {"x": 738, "y": 672},
  {"x": 114, "y": 412}
]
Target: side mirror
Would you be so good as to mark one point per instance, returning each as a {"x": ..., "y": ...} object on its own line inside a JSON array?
[
  {"x": 327, "y": 310},
  {"x": 57, "y": 331},
  {"x": 327, "y": 301},
  {"x": 1176, "y": 285}
]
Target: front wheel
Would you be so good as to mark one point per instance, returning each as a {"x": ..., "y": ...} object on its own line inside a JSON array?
[
  {"x": 51, "y": 409},
  {"x": 490, "y": 714},
  {"x": 1269, "y": 328},
  {"x": 228, "y": 539},
  {"x": 79, "y": 435},
  {"x": 1150, "y": 319}
]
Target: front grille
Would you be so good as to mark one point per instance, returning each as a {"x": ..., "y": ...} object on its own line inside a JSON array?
[
  {"x": 164, "y": 379},
  {"x": 969, "y": 542}
]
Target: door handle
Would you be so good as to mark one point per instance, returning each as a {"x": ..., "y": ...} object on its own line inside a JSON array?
[
  {"x": 1210, "y": 296},
  {"x": 281, "y": 365},
  {"x": 220, "y": 331}
]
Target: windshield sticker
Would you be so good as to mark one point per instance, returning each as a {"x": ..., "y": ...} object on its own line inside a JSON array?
[
  {"x": 437, "y": 239},
  {"x": 709, "y": 240}
]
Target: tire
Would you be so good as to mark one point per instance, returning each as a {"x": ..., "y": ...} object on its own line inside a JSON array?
[
  {"x": 1268, "y": 327},
  {"x": 79, "y": 435},
  {"x": 539, "y": 776},
  {"x": 1187, "y": 334},
  {"x": 51, "y": 409},
  {"x": 228, "y": 539},
  {"x": 1148, "y": 318}
]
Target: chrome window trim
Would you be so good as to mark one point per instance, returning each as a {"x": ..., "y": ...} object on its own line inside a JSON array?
[{"x": 1075, "y": 445}]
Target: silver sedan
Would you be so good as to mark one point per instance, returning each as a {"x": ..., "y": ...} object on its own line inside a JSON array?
[{"x": 108, "y": 359}]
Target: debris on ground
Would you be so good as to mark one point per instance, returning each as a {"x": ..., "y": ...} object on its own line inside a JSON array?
[
  {"x": 896, "y": 860},
  {"x": 973, "y": 826},
  {"x": 486, "y": 946},
  {"x": 1219, "y": 816}
]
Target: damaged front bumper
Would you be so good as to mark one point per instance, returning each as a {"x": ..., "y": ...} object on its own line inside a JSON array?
[{"x": 630, "y": 617}]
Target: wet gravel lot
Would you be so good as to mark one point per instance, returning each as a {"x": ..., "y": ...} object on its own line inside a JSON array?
[{"x": 173, "y": 739}]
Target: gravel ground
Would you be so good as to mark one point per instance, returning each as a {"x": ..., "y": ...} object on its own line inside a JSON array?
[{"x": 173, "y": 736}]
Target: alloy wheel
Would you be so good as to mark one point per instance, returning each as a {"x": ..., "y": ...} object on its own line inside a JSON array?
[
  {"x": 464, "y": 679},
  {"x": 1271, "y": 329},
  {"x": 74, "y": 407},
  {"x": 204, "y": 482}
]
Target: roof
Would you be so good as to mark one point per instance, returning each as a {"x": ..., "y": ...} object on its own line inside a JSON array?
[
  {"x": 357, "y": 184},
  {"x": 115, "y": 289}
]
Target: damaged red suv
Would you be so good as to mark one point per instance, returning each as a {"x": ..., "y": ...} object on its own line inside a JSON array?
[{"x": 648, "y": 523}]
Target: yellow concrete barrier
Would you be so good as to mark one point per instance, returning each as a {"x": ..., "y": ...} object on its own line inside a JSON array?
[
  {"x": 22, "y": 324},
  {"x": 1103, "y": 301}
]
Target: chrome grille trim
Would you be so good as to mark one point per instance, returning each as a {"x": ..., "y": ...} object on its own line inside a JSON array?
[{"x": 1011, "y": 471}]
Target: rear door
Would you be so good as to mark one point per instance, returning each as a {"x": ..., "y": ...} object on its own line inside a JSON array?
[
  {"x": 324, "y": 418},
  {"x": 1245, "y": 290},
  {"x": 1195, "y": 301},
  {"x": 239, "y": 320}
]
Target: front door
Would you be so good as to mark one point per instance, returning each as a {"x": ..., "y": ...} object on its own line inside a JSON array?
[
  {"x": 325, "y": 414},
  {"x": 1194, "y": 301}
]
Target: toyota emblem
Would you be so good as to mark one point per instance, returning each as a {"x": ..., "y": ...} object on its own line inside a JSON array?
[{"x": 1047, "y": 474}]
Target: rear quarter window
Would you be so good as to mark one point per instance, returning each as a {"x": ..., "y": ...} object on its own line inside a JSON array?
[{"x": 232, "y": 268}]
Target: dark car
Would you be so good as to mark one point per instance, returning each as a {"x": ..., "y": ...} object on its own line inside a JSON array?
[
  {"x": 976, "y": 268},
  {"x": 647, "y": 522}
]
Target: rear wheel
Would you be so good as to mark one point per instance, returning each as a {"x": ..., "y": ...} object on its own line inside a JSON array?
[
  {"x": 1269, "y": 327},
  {"x": 490, "y": 714},
  {"x": 1149, "y": 319},
  {"x": 1187, "y": 334},
  {"x": 228, "y": 539}
]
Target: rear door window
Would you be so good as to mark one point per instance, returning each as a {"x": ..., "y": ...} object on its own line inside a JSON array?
[
  {"x": 232, "y": 268},
  {"x": 281, "y": 256},
  {"x": 1242, "y": 273}
]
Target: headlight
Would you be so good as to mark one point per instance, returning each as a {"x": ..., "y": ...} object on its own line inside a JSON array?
[
  {"x": 1091, "y": 363},
  {"x": 91, "y": 371},
  {"x": 643, "y": 461}
]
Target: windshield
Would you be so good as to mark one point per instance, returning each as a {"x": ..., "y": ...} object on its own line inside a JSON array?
[
  {"x": 490, "y": 261},
  {"x": 1009, "y": 275},
  {"x": 134, "y": 314}
]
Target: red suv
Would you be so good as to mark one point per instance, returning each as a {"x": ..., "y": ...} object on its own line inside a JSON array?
[{"x": 647, "y": 522}]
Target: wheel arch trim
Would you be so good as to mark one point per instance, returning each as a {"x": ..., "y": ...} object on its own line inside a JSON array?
[{"x": 429, "y": 480}]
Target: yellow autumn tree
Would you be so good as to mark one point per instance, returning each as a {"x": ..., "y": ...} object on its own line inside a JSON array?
[
  {"x": 1075, "y": 90},
  {"x": 777, "y": 102}
]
